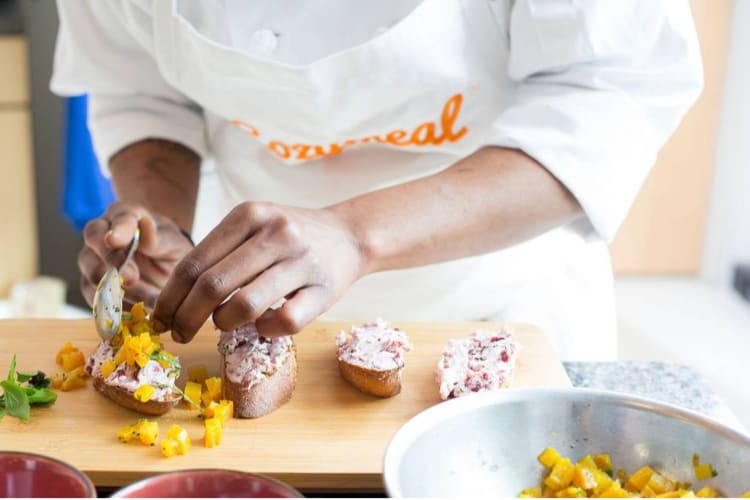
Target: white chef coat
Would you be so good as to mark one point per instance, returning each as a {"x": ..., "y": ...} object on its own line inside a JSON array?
[{"x": 310, "y": 103}]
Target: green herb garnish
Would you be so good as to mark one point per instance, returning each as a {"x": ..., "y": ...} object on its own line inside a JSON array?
[{"x": 16, "y": 399}]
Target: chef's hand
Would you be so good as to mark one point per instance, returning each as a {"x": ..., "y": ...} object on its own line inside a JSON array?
[
  {"x": 106, "y": 241},
  {"x": 264, "y": 252}
]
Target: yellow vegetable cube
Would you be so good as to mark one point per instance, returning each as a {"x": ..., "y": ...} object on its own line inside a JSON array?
[
  {"x": 138, "y": 311},
  {"x": 604, "y": 462},
  {"x": 166, "y": 359},
  {"x": 687, "y": 494},
  {"x": 72, "y": 360},
  {"x": 144, "y": 393},
  {"x": 148, "y": 432},
  {"x": 703, "y": 471},
  {"x": 603, "y": 481},
  {"x": 206, "y": 399},
  {"x": 120, "y": 357},
  {"x": 639, "y": 479},
  {"x": 561, "y": 474},
  {"x": 583, "y": 477},
  {"x": 193, "y": 393},
  {"x": 549, "y": 457},
  {"x": 169, "y": 447},
  {"x": 213, "y": 432},
  {"x": 707, "y": 492},
  {"x": 660, "y": 484},
  {"x": 125, "y": 434},
  {"x": 614, "y": 491},
  {"x": 107, "y": 368},
  {"x": 224, "y": 411},
  {"x": 198, "y": 373},
  {"x": 588, "y": 462},
  {"x": 213, "y": 386},
  {"x": 647, "y": 492},
  {"x": 571, "y": 492},
  {"x": 208, "y": 411},
  {"x": 181, "y": 436},
  {"x": 68, "y": 347},
  {"x": 74, "y": 379},
  {"x": 535, "y": 492}
]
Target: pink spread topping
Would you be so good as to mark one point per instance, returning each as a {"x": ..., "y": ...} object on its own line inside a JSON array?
[
  {"x": 249, "y": 357},
  {"x": 375, "y": 346},
  {"x": 130, "y": 378},
  {"x": 482, "y": 361}
]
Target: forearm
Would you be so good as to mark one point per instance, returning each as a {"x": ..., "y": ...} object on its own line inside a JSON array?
[
  {"x": 490, "y": 200},
  {"x": 160, "y": 175}
]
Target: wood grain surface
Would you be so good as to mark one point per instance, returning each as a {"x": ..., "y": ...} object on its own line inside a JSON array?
[{"x": 329, "y": 437}]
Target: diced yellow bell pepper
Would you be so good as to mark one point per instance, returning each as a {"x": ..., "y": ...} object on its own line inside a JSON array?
[
  {"x": 614, "y": 491},
  {"x": 141, "y": 327},
  {"x": 68, "y": 347},
  {"x": 647, "y": 492},
  {"x": 144, "y": 393},
  {"x": 213, "y": 432},
  {"x": 193, "y": 392},
  {"x": 224, "y": 411},
  {"x": 669, "y": 494},
  {"x": 703, "y": 471},
  {"x": 604, "y": 462},
  {"x": 549, "y": 457},
  {"x": 660, "y": 484},
  {"x": 687, "y": 494},
  {"x": 125, "y": 434},
  {"x": 208, "y": 411},
  {"x": 148, "y": 432},
  {"x": 707, "y": 492},
  {"x": 142, "y": 359},
  {"x": 588, "y": 462},
  {"x": 72, "y": 360},
  {"x": 120, "y": 355},
  {"x": 57, "y": 380},
  {"x": 74, "y": 379},
  {"x": 603, "y": 481},
  {"x": 583, "y": 477},
  {"x": 198, "y": 373},
  {"x": 107, "y": 368},
  {"x": 206, "y": 399},
  {"x": 181, "y": 436},
  {"x": 535, "y": 492},
  {"x": 639, "y": 479},
  {"x": 138, "y": 311},
  {"x": 571, "y": 492},
  {"x": 213, "y": 386},
  {"x": 169, "y": 447},
  {"x": 561, "y": 474}
]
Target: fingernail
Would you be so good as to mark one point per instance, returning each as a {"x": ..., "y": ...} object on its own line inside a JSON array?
[{"x": 159, "y": 326}]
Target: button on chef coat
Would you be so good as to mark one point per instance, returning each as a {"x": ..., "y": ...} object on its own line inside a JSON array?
[{"x": 329, "y": 106}]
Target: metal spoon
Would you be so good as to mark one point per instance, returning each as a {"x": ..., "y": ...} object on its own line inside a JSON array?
[{"x": 109, "y": 294}]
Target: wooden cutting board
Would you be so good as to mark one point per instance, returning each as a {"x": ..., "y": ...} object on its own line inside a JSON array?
[{"x": 328, "y": 437}]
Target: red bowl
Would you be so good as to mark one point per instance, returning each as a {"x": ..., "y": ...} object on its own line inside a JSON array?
[
  {"x": 28, "y": 475},
  {"x": 208, "y": 483}
]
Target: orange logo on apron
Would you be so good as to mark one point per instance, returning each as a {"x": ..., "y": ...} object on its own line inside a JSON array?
[{"x": 424, "y": 134}]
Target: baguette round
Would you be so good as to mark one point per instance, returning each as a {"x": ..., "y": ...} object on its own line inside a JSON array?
[
  {"x": 380, "y": 383},
  {"x": 125, "y": 399},
  {"x": 265, "y": 396}
]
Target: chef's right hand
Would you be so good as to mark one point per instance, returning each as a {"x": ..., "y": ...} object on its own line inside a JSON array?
[{"x": 106, "y": 241}]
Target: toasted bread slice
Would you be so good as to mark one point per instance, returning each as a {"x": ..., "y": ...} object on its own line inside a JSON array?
[
  {"x": 370, "y": 357},
  {"x": 125, "y": 398},
  {"x": 264, "y": 396},
  {"x": 380, "y": 383}
]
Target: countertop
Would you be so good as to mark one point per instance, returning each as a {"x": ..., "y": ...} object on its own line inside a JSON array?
[{"x": 668, "y": 382}]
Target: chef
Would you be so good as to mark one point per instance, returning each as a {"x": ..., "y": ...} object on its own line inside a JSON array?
[{"x": 431, "y": 161}]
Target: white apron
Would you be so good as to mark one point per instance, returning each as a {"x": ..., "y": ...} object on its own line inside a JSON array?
[{"x": 405, "y": 104}]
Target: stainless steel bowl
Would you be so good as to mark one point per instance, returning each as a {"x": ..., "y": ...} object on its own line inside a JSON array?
[{"x": 487, "y": 444}]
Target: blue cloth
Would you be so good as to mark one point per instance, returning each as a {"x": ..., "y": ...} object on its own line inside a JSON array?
[{"x": 86, "y": 192}]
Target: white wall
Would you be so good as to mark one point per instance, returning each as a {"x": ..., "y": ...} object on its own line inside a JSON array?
[{"x": 727, "y": 240}]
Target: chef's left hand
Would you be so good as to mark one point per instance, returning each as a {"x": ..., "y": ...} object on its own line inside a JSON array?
[{"x": 264, "y": 252}]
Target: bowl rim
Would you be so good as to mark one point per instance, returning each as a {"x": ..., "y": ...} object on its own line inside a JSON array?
[
  {"x": 85, "y": 479},
  {"x": 134, "y": 486},
  {"x": 444, "y": 410}
]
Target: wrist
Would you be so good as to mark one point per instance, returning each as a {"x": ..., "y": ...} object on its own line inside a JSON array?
[{"x": 362, "y": 237}]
